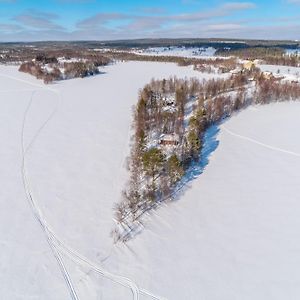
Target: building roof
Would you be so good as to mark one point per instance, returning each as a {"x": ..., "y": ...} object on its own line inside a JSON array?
[
  {"x": 249, "y": 64},
  {"x": 169, "y": 137}
]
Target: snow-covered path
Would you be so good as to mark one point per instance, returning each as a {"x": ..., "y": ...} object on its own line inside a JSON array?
[
  {"x": 224, "y": 128},
  {"x": 28, "y": 267}
]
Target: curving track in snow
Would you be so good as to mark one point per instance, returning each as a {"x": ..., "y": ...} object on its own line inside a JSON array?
[
  {"x": 32, "y": 203},
  {"x": 57, "y": 246},
  {"x": 254, "y": 141}
]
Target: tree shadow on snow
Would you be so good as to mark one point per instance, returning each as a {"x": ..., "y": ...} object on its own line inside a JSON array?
[{"x": 197, "y": 167}]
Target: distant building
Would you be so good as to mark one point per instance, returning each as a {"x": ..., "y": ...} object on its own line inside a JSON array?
[
  {"x": 249, "y": 65},
  {"x": 278, "y": 77},
  {"x": 235, "y": 72},
  {"x": 267, "y": 75},
  {"x": 169, "y": 139},
  {"x": 258, "y": 61}
]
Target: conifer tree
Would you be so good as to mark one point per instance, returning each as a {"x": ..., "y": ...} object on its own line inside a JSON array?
[
  {"x": 153, "y": 161},
  {"x": 174, "y": 169}
]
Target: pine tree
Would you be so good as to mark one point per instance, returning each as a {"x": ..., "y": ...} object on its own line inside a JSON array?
[
  {"x": 174, "y": 169},
  {"x": 153, "y": 162},
  {"x": 194, "y": 144}
]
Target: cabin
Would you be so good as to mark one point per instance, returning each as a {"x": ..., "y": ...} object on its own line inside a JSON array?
[
  {"x": 258, "y": 61},
  {"x": 169, "y": 139},
  {"x": 267, "y": 75},
  {"x": 235, "y": 72},
  {"x": 278, "y": 77}
]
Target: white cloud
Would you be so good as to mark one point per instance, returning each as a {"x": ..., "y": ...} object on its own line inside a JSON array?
[
  {"x": 8, "y": 28},
  {"x": 37, "y": 19},
  {"x": 35, "y": 25},
  {"x": 226, "y": 9}
]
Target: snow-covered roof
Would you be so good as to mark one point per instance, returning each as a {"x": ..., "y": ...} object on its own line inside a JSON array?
[
  {"x": 170, "y": 109},
  {"x": 169, "y": 137}
]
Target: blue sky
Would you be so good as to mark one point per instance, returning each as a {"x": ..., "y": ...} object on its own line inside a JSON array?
[{"x": 28, "y": 20}]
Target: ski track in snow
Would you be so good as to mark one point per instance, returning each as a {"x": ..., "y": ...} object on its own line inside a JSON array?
[
  {"x": 34, "y": 207},
  {"x": 259, "y": 143},
  {"x": 55, "y": 243}
]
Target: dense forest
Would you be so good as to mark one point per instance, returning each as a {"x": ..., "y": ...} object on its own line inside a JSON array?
[
  {"x": 225, "y": 64},
  {"x": 169, "y": 123},
  {"x": 52, "y": 68},
  {"x": 53, "y": 65},
  {"x": 217, "y": 43}
]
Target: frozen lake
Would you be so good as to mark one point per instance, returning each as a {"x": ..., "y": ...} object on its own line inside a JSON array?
[{"x": 232, "y": 234}]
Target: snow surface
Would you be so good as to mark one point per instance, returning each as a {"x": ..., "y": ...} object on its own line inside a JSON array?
[
  {"x": 77, "y": 133},
  {"x": 289, "y": 73},
  {"x": 195, "y": 52},
  {"x": 233, "y": 234}
]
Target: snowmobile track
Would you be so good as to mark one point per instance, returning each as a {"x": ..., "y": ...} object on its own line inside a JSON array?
[{"x": 56, "y": 245}]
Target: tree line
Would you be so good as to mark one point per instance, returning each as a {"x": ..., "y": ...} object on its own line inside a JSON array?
[
  {"x": 49, "y": 68},
  {"x": 217, "y": 62},
  {"x": 270, "y": 55}
]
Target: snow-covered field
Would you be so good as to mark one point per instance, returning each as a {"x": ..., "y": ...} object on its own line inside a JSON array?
[
  {"x": 77, "y": 133},
  {"x": 194, "y": 52},
  {"x": 232, "y": 235},
  {"x": 287, "y": 72}
]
